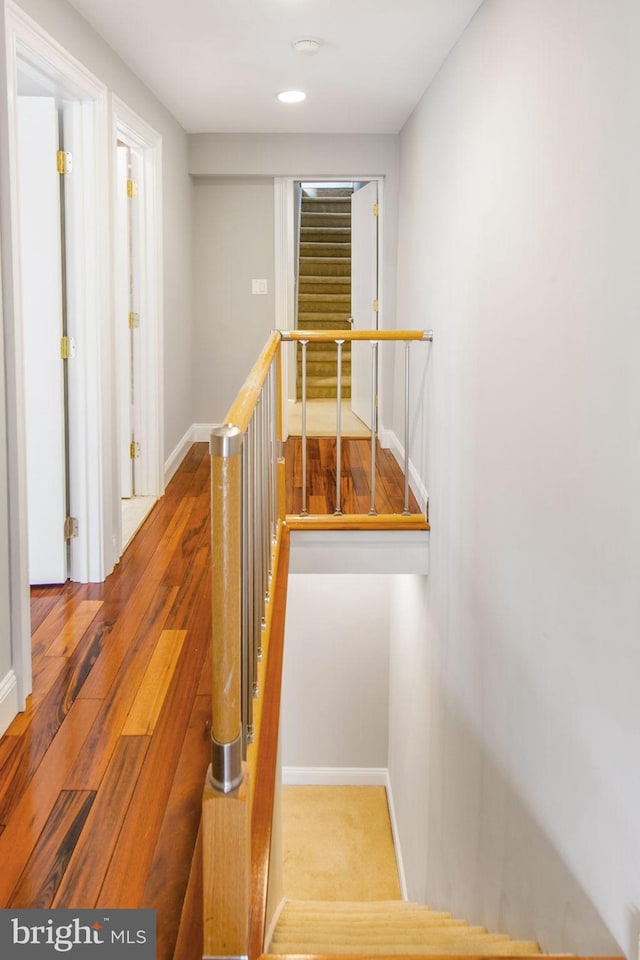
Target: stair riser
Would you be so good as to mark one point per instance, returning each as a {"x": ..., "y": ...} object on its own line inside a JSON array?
[
  {"x": 313, "y": 219},
  {"x": 340, "y": 205},
  {"x": 311, "y": 285},
  {"x": 325, "y": 267},
  {"x": 326, "y": 235},
  {"x": 325, "y": 249}
]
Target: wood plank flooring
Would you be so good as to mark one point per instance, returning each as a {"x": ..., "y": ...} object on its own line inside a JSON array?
[
  {"x": 355, "y": 479},
  {"x": 101, "y": 777}
]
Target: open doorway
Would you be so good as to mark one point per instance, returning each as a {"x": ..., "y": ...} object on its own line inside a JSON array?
[
  {"x": 333, "y": 254},
  {"x": 137, "y": 317}
]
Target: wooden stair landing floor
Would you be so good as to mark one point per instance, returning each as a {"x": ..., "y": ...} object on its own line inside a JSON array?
[{"x": 355, "y": 484}]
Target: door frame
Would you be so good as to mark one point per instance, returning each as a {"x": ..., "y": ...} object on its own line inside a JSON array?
[
  {"x": 129, "y": 128},
  {"x": 92, "y": 553},
  {"x": 285, "y": 267}
]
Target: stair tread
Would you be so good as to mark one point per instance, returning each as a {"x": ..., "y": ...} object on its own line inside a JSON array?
[
  {"x": 393, "y": 927},
  {"x": 326, "y": 297}
]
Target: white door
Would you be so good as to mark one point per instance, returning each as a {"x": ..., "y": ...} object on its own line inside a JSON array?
[
  {"x": 123, "y": 331},
  {"x": 42, "y": 312},
  {"x": 364, "y": 293},
  {"x": 128, "y": 254}
]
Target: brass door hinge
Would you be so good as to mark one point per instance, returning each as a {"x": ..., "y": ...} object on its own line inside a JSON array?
[
  {"x": 64, "y": 161},
  {"x": 134, "y": 450},
  {"x": 376, "y": 209},
  {"x": 376, "y": 306},
  {"x": 132, "y": 188},
  {"x": 134, "y": 321},
  {"x": 70, "y": 528},
  {"x": 67, "y": 348}
]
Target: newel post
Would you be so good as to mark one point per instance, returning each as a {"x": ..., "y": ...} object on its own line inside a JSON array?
[{"x": 226, "y": 845}]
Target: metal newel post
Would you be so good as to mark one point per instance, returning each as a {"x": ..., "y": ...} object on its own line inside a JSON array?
[{"x": 226, "y": 567}]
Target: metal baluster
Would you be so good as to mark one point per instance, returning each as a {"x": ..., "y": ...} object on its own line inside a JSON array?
[
  {"x": 338, "y": 510},
  {"x": 247, "y": 593},
  {"x": 374, "y": 422},
  {"x": 257, "y": 589},
  {"x": 406, "y": 511},
  {"x": 274, "y": 454},
  {"x": 266, "y": 533},
  {"x": 303, "y": 439}
]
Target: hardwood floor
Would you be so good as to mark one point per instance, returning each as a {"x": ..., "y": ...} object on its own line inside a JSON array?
[
  {"x": 101, "y": 778},
  {"x": 355, "y": 481}
]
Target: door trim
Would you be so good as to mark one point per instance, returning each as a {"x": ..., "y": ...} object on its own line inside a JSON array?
[
  {"x": 132, "y": 130},
  {"x": 92, "y": 554}
]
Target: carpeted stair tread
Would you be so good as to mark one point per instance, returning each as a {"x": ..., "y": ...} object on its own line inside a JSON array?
[
  {"x": 325, "y": 266},
  {"x": 392, "y": 927},
  {"x": 325, "y": 231},
  {"x": 326, "y": 218},
  {"x": 326, "y": 285},
  {"x": 328, "y": 298},
  {"x": 324, "y": 321},
  {"x": 329, "y": 249}
]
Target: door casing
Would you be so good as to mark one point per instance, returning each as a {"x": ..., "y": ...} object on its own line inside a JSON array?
[{"x": 285, "y": 268}]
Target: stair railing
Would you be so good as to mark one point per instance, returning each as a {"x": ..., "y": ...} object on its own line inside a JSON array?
[
  {"x": 246, "y": 517},
  {"x": 248, "y": 527},
  {"x": 339, "y": 338}
]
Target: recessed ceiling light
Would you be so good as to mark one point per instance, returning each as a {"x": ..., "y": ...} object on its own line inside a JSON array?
[
  {"x": 308, "y": 46},
  {"x": 292, "y": 96}
]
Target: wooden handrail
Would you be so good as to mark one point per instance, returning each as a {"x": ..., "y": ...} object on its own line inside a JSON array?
[
  {"x": 328, "y": 336},
  {"x": 241, "y": 410},
  {"x": 357, "y": 521},
  {"x": 267, "y": 758}
]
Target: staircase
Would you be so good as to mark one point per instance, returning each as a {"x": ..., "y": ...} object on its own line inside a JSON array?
[
  {"x": 387, "y": 928},
  {"x": 324, "y": 286}
]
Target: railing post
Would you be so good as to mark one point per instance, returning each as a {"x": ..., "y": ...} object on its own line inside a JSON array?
[{"x": 226, "y": 807}]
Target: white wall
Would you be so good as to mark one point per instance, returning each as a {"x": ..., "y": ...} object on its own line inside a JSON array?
[
  {"x": 309, "y": 156},
  {"x": 335, "y": 696},
  {"x": 518, "y": 235},
  {"x": 63, "y": 23},
  {"x": 233, "y": 244}
]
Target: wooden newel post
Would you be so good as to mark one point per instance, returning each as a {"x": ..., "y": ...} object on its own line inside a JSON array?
[{"x": 226, "y": 845}]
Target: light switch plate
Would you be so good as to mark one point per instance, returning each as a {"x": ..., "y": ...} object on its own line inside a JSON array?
[{"x": 259, "y": 287}]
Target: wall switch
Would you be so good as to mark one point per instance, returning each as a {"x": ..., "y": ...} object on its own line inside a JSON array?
[{"x": 259, "y": 286}]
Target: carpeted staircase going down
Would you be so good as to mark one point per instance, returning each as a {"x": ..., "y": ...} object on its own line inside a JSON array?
[
  {"x": 392, "y": 927},
  {"x": 324, "y": 286}
]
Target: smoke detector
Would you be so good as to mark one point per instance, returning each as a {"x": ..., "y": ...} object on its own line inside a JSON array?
[{"x": 307, "y": 46}]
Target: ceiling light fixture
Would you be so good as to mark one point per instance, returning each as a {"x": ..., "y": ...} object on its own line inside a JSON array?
[
  {"x": 292, "y": 96},
  {"x": 307, "y": 46}
]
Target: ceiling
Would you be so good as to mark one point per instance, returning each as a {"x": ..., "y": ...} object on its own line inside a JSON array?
[{"x": 217, "y": 65}]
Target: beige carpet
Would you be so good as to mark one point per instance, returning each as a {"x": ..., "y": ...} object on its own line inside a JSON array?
[
  {"x": 385, "y": 929},
  {"x": 338, "y": 844},
  {"x": 321, "y": 420}
]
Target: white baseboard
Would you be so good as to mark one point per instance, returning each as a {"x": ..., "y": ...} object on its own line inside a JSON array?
[
  {"x": 201, "y": 432},
  {"x": 197, "y": 433},
  {"x": 335, "y": 776},
  {"x": 177, "y": 455},
  {"x": 389, "y": 441},
  {"x": 352, "y": 777},
  {"x": 9, "y": 705}
]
